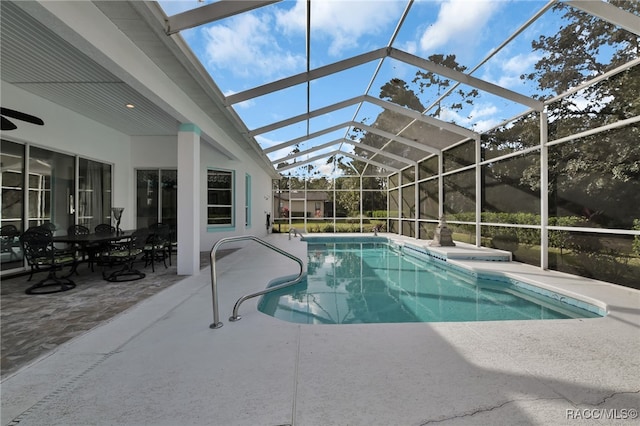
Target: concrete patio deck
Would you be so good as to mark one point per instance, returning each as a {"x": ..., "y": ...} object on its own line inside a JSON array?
[{"x": 159, "y": 363}]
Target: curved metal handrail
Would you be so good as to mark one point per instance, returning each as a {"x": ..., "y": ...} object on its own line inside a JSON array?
[{"x": 214, "y": 285}]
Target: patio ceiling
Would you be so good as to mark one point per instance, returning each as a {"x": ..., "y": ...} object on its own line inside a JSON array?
[{"x": 380, "y": 134}]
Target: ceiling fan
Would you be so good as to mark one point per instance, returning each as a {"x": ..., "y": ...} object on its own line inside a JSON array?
[{"x": 8, "y": 124}]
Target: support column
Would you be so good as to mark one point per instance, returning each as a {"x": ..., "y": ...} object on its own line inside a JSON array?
[
  {"x": 188, "y": 199},
  {"x": 416, "y": 197},
  {"x": 544, "y": 191},
  {"x": 479, "y": 190},
  {"x": 440, "y": 185}
]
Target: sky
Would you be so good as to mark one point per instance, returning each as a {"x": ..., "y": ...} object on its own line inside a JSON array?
[{"x": 267, "y": 44}]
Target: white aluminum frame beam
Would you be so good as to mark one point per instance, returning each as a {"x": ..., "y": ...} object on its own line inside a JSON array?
[
  {"x": 609, "y": 13},
  {"x": 379, "y": 132},
  {"x": 210, "y": 13},
  {"x": 332, "y": 153},
  {"x": 401, "y": 139},
  {"x": 375, "y": 163},
  {"x": 477, "y": 83},
  {"x": 305, "y": 77},
  {"x": 416, "y": 115},
  {"x": 308, "y": 151},
  {"x": 379, "y": 54},
  {"x": 305, "y": 138},
  {"x": 381, "y": 152},
  {"x": 363, "y": 98},
  {"x": 306, "y": 116},
  {"x": 348, "y": 142},
  {"x": 376, "y": 101}
]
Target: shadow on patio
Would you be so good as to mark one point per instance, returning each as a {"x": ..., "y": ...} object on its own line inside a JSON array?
[{"x": 33, "y": 325}]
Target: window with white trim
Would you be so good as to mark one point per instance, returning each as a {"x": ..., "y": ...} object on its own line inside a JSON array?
[
  {"x": 247, "y": 201},
  {"x": 220, "y": 198}
]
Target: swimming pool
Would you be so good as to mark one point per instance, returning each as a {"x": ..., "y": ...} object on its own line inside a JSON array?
[{"x": 379, "y": 282}]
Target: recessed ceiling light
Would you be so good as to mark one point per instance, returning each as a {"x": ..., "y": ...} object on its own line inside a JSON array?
[{"x": 130, "y": 105}]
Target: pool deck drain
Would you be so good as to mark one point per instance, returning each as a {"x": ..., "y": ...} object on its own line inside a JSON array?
[{"x": 166, "y": 367}]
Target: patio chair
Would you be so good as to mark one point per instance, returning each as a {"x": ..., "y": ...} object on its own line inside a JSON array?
[
  {"x": 50, "y": 226},
  {"x": 105, "y": 228},
  {"x": 158, "y": 245},
  {"x": 173, "y": 237},
  {"x": 9, "y": 242},
  {"x": 86, "y": 252},
  {"x": 122, "y": 256},
  {"x": 78, "y": 230},
  {"x": 41, "y": 255}
]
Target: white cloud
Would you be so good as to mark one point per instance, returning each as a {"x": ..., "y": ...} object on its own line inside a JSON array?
[
  {"x": 458, "y": 20},
  {"x": 483, "y": 111},
  {"x": 324, "y": 168},
  {"x": 268, "y": 143},
  {"x": 520, "y": 63},
  {"x": 342, "y": 23},
  {"x": 246, "y": 46},
  {"x": 488, "y": 112},
  {"x": 484, "y": 125},
  {"x": 409, "y": 47},
  {"x": 510, "y": 69},
  {"x": 509, "y": 81},
  {"x": 249, "y": 103}
]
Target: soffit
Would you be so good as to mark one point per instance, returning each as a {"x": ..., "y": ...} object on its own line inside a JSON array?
[{"x": 37, "y": 60}]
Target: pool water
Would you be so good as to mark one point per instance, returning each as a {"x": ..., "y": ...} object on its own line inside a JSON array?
[{"x": 377, "y": 283}]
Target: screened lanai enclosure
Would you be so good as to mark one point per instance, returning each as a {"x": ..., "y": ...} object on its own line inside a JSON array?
[
  {"x": 515, "y": 121},
  {"x": 521, "y": 130}
]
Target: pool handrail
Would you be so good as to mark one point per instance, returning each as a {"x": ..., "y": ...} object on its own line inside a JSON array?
[
  {"x": 295, "y": 232},
  {"x": 214, "y": 285},
  {"x": 235, "y": 317}
]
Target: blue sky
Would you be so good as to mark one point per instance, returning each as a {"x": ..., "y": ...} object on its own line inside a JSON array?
[{"x": 268, "y": 43}]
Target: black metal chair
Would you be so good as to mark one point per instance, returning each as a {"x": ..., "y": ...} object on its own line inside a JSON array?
[
  {"x": 158, "y": 245},
  {"x": 86, "y": 252},
  {"x": 50, "y": 226},
  {"x": 9, "y": 242},
  {"x": 41, "y": 255},
  {"x": 173, "y": 237},
  {"x": 101, "y": 248},
  {"x": 78, "y": 230},
  {"x": 122, "y": 256},
  {"x": 105, "y": 228}
]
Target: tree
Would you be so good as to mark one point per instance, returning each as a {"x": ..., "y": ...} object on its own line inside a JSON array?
[
  {"x": 399, "y": 92},
  {"x": 598, "y": 173},
  {"x": 435, "y": 85}
]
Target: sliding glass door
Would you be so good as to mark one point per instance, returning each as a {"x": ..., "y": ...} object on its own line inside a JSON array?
[
  {"x": 41, "y": 186},
  {"x": 156, "y": 197},
  {"x": 94, "y": 193},
  {"x": 11, "y": 220},
  {"x": 51, "y": 189}
]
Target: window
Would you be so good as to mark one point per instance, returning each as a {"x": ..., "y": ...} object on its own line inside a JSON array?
[
  {"x": 220, "y": 198},
  {"x": 12, "y": 182},
  {"x": 94, "y": 193},
  {"x": 156, "y": 197},
  {"x": 247, "y": 201},
  {"x": 61, "y": 189}
]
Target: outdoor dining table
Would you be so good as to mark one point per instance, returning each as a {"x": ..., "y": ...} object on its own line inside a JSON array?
[{"x": 84, "y": 241}]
